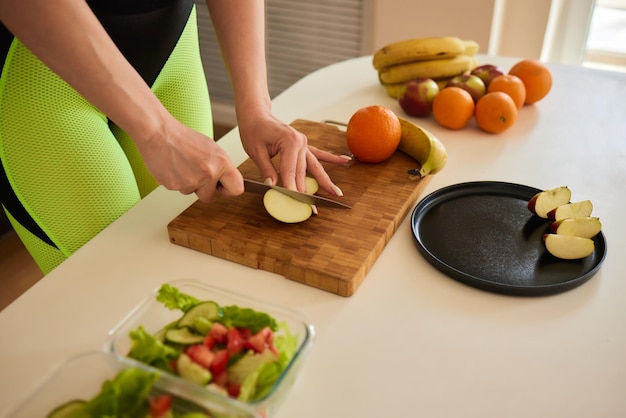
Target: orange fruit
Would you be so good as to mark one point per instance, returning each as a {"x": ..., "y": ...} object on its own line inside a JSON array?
[
  {"x": 453, "y": 107},
  {"x": 495, "y": 112},
  {"x": 373, "y": 133},
  {"x": 511, "y": 85},
  {"x": 536, "y": 77}
]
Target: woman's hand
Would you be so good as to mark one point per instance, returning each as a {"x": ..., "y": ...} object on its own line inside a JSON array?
[
  {"x": 264, "y": 136},
  {"x": 185, "y": 160}
]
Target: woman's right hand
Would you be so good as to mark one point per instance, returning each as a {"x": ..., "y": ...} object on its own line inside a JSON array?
[{"x": 182, "y": 159}]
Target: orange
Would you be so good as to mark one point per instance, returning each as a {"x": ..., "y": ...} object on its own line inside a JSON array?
[
  {"x": 536, "y": 77},
  {"x": 495, "y": 112},
  {"x": 511, "y": 85},
  {"x": 453, "y": 108},
  {"x": 373, "y": 133}
]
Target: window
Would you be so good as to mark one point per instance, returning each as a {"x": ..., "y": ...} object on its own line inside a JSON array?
[{"x": 606, "y": 41}]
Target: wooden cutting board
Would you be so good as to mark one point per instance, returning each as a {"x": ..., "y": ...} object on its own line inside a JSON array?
[{"x": 332, "y": 251}]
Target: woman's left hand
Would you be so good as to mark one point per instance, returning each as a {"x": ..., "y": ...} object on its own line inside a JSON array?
[{"x": 265, "y": 137}]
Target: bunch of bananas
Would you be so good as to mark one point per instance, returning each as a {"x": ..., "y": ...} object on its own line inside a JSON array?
[{"x": 439, "y": 58}]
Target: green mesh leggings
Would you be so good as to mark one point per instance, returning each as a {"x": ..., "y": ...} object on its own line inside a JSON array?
[{"x": 70, "y": 169}]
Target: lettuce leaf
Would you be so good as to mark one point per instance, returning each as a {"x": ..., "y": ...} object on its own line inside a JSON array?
[
  {"x": 173, "y": 298},
  {"x": 234, "y": 316},
  {"x": 148, "y": 349}
]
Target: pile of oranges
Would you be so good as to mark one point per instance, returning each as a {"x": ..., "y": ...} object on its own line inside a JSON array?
[{"x": 527, "y": 82}]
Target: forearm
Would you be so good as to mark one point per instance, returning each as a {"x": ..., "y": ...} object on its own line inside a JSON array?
[
  {"x": 240, "y": 28},
  {"x": 68, "y": 38}
]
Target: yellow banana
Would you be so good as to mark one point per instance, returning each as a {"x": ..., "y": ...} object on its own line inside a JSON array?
[
  {"x": 423, "y": 146},
  {"x": 440, "y": 68},
  {"x": 418, "y": 49},
  {"x": 471, "y": 47}
]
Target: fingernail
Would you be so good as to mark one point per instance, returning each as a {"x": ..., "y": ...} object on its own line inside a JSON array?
[
  {"x": 346, "y": 157},
  {"x": 268, "y": 181},
  {"x": 337, "y": 190},
  {"x": 314, "y": 209}
]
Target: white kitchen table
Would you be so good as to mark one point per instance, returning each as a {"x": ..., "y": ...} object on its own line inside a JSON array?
[{"x": 411, "y": 342}]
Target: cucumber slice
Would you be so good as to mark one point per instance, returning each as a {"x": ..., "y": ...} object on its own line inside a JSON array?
[
  {"x": 191, "y": 371},
  {"x": 71, "y": 409},
  {"x": 209, "y": 310},
  {"x": 183, "y": 336}
]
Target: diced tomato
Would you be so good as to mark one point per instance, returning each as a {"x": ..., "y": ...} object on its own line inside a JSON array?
[
  {"x": 245, "y": 333},
  {"x": 200, "y": 354},
  {"x": 160, "y": 405},
  {"x": 218, "y": 332},
  {"x": 268, "y": 334},
  {"x": 173, "y": 365},
  {"x": 220, "y": 361},
  {"x": 234, "y": 389},
  {"x": 209, "y": 341},
  {"x": 235, "y": 342},
  {"x": 221, "y": 379},
  {"x": 257, "y": 342}
]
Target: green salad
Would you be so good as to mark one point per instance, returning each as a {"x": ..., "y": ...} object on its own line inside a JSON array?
[
  {"x": 238, "y": 351},
  {"x": 128, "y": 395}
]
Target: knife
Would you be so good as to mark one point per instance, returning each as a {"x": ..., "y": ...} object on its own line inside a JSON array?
[{"x": 257, "y": 187}]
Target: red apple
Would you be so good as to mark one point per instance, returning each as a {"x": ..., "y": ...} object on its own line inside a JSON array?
[
  {"x": 470, "y": 83},
  {"x": 582, "y": 226},
  {"x": 487, "y": 72},
  {"x": 568, "y": 247},
  {"x": 545, "y": 201},
  {"x": 416, "y": 97},
  {"x": 571, "y": 210}
]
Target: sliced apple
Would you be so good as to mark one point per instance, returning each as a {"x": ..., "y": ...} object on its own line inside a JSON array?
[
  {"x": 545, "y": 201},
  {"x": 567, "y": 247},
  {"x": 584, "y": 227},
  {"x": 285, "y": 208},
  {"x": 311, "y": 185},
  {"x": 571, "y": 210}
]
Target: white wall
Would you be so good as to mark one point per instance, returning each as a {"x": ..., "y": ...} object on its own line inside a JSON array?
[{"x": 553, "y": 30}]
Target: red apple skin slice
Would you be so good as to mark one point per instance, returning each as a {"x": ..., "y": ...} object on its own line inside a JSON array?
[
  {"x": 571, "y": 210},
  {"x": 568, "y": 248},
  {"x": 584, "y": 227},
  {"x": 545, "y": 201}
]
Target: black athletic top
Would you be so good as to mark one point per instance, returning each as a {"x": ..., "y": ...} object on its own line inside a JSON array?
[{"x": 145, "y": 31}]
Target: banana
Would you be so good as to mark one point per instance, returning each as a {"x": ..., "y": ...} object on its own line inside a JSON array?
[
  {"x": 422, "y": 145},
  {"x": 471, "y": 47},
  {"x": 439, "y": 68},
  {"x": 418, "y": 49}
]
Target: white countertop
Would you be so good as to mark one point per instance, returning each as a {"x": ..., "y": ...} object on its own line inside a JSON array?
[{"x": 411, "y": 341}]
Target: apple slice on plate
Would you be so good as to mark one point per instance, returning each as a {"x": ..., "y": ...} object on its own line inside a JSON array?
[
  {"x": 567, "y": 247},
  {"x": 545, "y": 201},
  {"x": 584, "y": 226},
  {"x": 571, "y": 210}
]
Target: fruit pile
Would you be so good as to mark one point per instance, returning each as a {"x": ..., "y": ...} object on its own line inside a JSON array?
[
  {"x": 438, "y": 58},
  {"x": 572, "y": 228},
  {"x": 414, "y": 73},
  {"x": 375, "y": 132}
]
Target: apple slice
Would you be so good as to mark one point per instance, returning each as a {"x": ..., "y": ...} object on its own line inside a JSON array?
[
  {"x": 568, "y": 248},
  {"x": 285, "y": 208},
  {"x": 547, "y": 200},
  {"x": 311, "y": 186},
  {"x": 585, "y": 227},
  {"x": 571, "y": 210}
]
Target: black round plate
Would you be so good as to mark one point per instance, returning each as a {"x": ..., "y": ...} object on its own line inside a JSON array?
[{"x": 482, "y": 234}]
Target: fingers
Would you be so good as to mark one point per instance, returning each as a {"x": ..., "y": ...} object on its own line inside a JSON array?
[
  {"x": 293, "y": 167},
  {"x": 317, "y": 170}
]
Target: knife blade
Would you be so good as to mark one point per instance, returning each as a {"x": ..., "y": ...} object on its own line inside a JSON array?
[{"x": 257, "y": 187}]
